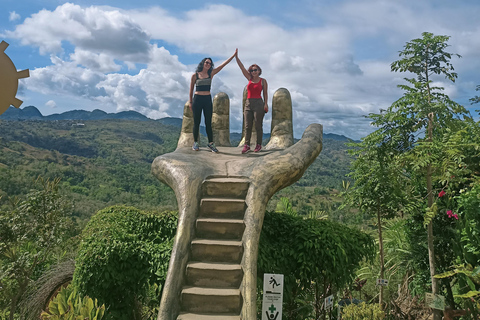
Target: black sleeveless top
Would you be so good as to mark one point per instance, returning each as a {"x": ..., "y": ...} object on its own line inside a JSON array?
[{"x": 203, "y": 84}]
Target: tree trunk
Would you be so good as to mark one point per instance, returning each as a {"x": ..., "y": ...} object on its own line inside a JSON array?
[
  {"x": 382, "y": 264},
  {"x": 437, "y": 315},
  {"x": 14, "y": 304},
  {"x": 13, "y": 307}
]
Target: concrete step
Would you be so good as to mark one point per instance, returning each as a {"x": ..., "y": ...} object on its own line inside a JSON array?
[
  {"x": 214, "y": 275},
  {"x": 210, "y": 228},
  {"x": 211, "y": 300},
  {"x": 225, "y": 208},
  {"x": 223, "y": 187},
  {"x": 228, "y": 251},
  {"x": 197, "y": 316}
]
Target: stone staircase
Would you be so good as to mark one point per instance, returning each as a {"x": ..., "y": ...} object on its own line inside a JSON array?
[{"x": 214, "y": 273}]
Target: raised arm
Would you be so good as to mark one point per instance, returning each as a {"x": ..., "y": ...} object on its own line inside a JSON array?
[
  {"x": 240, "y": 64},
  {"x": 223, "y": 64}
]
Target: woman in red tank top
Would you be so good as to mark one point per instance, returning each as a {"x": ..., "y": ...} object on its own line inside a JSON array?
[{"x": 255, "y": 106}]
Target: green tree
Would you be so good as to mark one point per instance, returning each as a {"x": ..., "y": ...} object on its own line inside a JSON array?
[
  {"x": 461, "y": 201},
  {"x": 380, "y": 185},
  {"x": 29, "y": 235},
  {"x": 418, "y": 121}
]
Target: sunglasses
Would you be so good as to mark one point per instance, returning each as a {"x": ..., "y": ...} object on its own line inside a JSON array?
[
  {"x": 206, "y": 62},
  {"x": 253, "y": 70}
]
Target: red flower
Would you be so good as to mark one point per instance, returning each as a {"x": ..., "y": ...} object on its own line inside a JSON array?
[
  {"x": 450, "y": 214},
  {"x": 441, "y": 194}
]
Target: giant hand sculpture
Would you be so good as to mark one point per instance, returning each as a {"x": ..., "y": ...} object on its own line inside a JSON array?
[{"x": 187, "y": 171}]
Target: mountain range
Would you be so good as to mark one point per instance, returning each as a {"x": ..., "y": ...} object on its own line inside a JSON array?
[{"x": 32, "y": 113}]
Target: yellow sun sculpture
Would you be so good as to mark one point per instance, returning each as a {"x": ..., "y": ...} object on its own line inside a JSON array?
[{"x": 9, "y": 80}]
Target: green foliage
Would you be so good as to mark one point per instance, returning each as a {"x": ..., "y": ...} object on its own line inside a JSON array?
[
  {"x": 430, "y": 213},
  {"x": 426, "y": 56},
  {"x": 476, "y": 99},
  {"x": 313, "y": 255},
  {"x": 380, "y": 187},
  {"x": 5, "y": 314},
  {"x": 106, "y": 162},
  {"x": 467, "y": 234},
  {"x": 468, "y": 206},
  {"x": 468, "y": 270},
  {"x": 471, "y": 276},
  {"x": 398, "y": 264},
  {"x": 124, "y": 253},
  {"x": 330, "y": 168},
  {"x": 31, "y": 233},
  {"x": 417, "y": 127},
  {"x": 362, "y": 311},
  {"x": 284, "y": 206},
  {"x": 380, "y": 183},
  {"x": 398, "y": 255},
  {"x": 411, "y": 114},
  {"x": 69, "y": 305}
]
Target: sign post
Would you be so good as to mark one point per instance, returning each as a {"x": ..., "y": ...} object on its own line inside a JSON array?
[
  {"x": 382, "y": 282},
  {"x": 272, "y": 296},
  {"x": 329, "y": 302}
]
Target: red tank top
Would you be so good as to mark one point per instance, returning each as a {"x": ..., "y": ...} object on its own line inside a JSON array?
[{"x": 254, "y": 90}]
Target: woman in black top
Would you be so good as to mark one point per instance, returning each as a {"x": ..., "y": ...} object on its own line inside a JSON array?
[{"x": 202, "y": 100}]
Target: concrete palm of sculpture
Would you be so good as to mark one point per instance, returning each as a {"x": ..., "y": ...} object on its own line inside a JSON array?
[{"x": 221, "y": 201}]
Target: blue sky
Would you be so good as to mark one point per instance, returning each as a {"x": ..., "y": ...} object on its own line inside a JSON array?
[{"x": 333, "y": 56}]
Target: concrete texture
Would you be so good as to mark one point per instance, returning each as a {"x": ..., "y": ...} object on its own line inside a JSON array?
[
  {"x": 281, "y": 135},
  {"x": 221, "y": 120}
]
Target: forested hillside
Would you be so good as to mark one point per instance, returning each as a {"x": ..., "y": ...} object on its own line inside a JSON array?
[{"x": 106, "y": 162}]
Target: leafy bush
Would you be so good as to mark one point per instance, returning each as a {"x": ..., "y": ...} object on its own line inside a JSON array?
[
  {"x": 124, "y": 252},
  {"x": 316, "y": 257},
  {"x": 362, "y": 311},
  {"x": 32, "y": 232},
  {"x": 68, "y": 305}
]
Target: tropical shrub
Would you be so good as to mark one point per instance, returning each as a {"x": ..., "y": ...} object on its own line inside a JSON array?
[
  {"x": 124, "y": 253},
  {"x": 362, "y": 311},
  {"x": 69, "y": 305},
  {"x": 32, "y": 233},
  {"x": 316, "y": 257}
]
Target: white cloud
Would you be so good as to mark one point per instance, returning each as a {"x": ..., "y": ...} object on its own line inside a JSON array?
[
  {"x": 13, "y": 16},
  {"x": 51, "y": 104},
  {"x": 281, "y": 61},
  {"x": 65, "y": 77},
  {"x": 100, "y": 31},
  {"x": 337, "y": 69},
  {"x": 155, "y": 94},
  {"x": 98, "y": 62},
  {"x": 155, "y": 91}
]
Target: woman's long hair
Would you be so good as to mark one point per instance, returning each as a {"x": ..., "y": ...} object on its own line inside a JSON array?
[{"x": 200, "y": 66}]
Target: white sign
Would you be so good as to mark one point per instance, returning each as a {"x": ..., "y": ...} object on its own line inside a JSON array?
[
  {"x": 382, "y": 282},
  {"x": 272, "y": 296},
  {"x": 329, "y": 302},
  {"x": 435, "y": 301}
]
